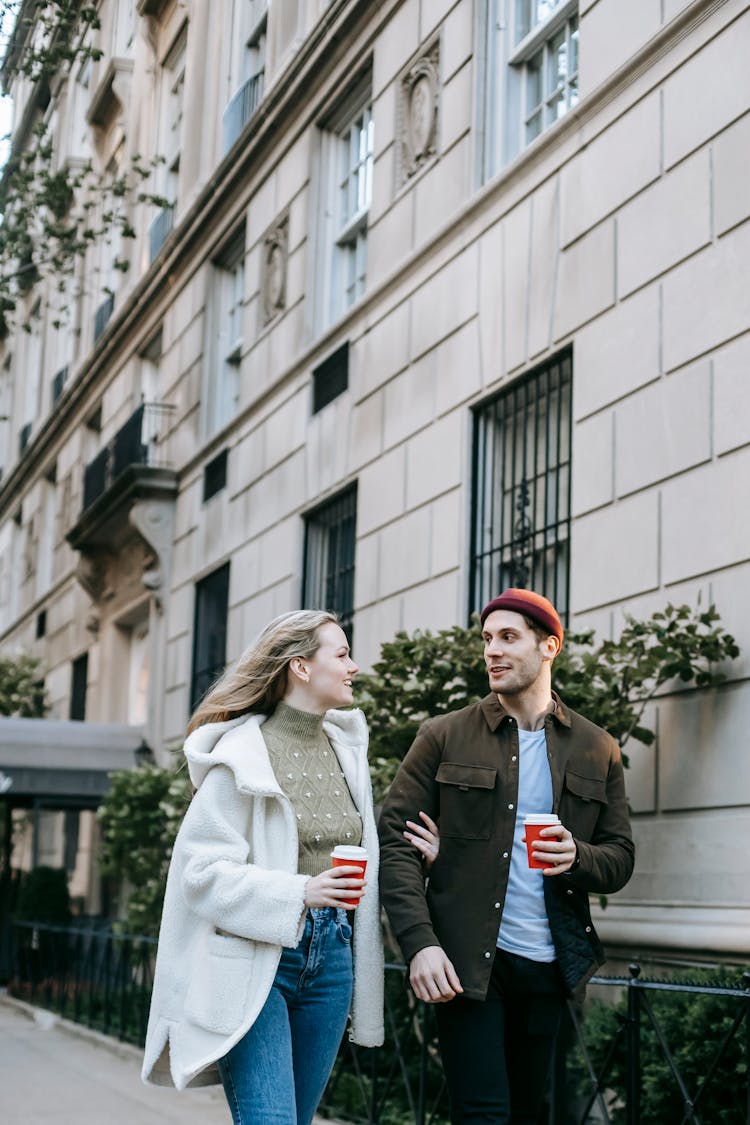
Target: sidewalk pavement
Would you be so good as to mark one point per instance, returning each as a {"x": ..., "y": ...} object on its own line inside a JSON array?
[{"x": 54, "y": 1072}]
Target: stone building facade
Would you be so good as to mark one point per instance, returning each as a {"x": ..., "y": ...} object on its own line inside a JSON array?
[{"x": 443, "y": 294}]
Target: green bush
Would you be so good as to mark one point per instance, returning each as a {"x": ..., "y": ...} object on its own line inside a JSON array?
[
  {"x": 693, "y": 1025},
  {"x": 610, "y": 682}
]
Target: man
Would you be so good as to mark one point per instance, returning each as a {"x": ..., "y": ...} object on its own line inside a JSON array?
[{"x": 495, "y": 944}]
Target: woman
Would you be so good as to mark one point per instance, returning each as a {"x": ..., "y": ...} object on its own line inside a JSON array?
[{"x": 254, "y": 976}]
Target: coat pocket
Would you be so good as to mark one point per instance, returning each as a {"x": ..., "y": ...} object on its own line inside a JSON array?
[
  {"x": 219, "y": 984},
  {"x": 583, "y": 799},
  {"x": 466, "y": 801}
]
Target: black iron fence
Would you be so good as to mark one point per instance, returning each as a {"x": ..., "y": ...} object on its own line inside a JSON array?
[
  {"x": 135, "y": 443},
  {"x": 626, "y": 1065}
]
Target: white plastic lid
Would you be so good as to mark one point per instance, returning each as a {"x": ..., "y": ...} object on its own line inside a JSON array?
[
  {"x": 542, "y": 818},
  {"x": 348, "y": 851}
]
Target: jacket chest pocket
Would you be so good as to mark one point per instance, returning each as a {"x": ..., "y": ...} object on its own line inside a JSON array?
[
  {"x": 466, "y": 802},
  {"x": 583, "y": 799}
]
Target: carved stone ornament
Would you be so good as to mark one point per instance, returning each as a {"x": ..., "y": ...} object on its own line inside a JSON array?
[
  {"x": 418, "y": 112},
  {"x": 275, "y": 260}
]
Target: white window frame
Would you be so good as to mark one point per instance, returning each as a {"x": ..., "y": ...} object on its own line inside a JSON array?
[
  {"x": 171, "y": 114},
  {"x": 227, "y": 322},
  {"x": 347, "y": 162},
  {"x": 513, "y": 50}
]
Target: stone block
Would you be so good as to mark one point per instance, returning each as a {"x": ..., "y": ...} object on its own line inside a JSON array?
[
  {"x": 381, "y": 353},
  {"x": 457, "y": 368},
  {"x": 365, "y": 432},
  {"x": 731, "y": 382},
  {"x": 586, "y": 280},
  {"x": 543, "y": 267},
  {"x": 299, "y": 219},
  {"x": 384, "y": 119},
  {"x": 409, "y": 400},
  {"x": 367, "y": 571},
  {"x": 279, "y": 491},
  {"x": 326, "y": 449},
  {"x": 279, "y": 548},
  {"x": 593, "y": 483},
  {"x": 435, "y": 604},
  {"x": 457, "y": 44},
  {"x": 702, "y": 753},
  {"x": 612, "y": 168},
  {"x": 626, "y": 534},
  {"x": 663, "y": 429},
  {"x": 517, "y": 228},
  {"x": 617, "y": 353},
  {"x": 701, "y": 530},
  {"x": 641, "y": 775},
  {"x": 730, "y": 183},
  {"x": 285, "y": 427},
  {"x": 735, "y": 614},
  {"x": 293, "y": 171},
  {"x": 247, "y": 460},
  {"x": 405, "y": 552},
  {"x": 395, "y": 45},
  {"x": 390, "y": 239},
  {"x": 262, "y": 210},
  {"x": 491, "y": 295},
  {"x": 433, "y": 14},
  {"x": 372, "y": 626},
  {"x": 444, "y": 302},
  {"x": 705, "y": 299},
  {"x": 610, "y": 33},
  {"x": 691, "y": 118},
  {"x": 664, "y": 224},
  {"x": 383, "y": 183},
  {"x": 442, "y": 190},
  {"x": 382, "y": 487},
  {"x": 446, "y": 538},
  {"x": 456, "y": 108},
  {"x": 672, "y": 7},
  {"x": 296, "y": 280},
  {"x": 435, "y": 459}
]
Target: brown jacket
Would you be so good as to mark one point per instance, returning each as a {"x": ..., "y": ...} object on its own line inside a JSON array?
[{"x": 462, "y": 770}]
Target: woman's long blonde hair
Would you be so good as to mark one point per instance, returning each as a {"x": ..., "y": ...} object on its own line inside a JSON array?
[{"x": 258, "y": 680}]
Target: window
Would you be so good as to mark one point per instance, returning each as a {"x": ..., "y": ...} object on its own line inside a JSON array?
[
  {"x": 521, "y": 488},
  {"x": 169, "y": 142},
  {"x": 331, "y": 378},
  {"x": 227, "y": 316},
  {"x": 210, "y": 633},
  {"x": 246, "y": 66},
  {"x": 532, "y": 73},
  {"x": 41, "y": 624},
  {"x": 78, "y": 683},
  {"x": 347, "y": 153},
  {"x": 330, "y": 541},
  {"x": 215, "y": 476}
]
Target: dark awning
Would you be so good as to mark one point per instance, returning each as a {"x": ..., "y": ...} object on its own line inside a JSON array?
[{"x": 63, "y": 758}]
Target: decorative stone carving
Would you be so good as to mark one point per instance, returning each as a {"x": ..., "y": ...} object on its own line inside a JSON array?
[
  {"x": 275, "y": 261},
  {"x": 418, "y": 103}
]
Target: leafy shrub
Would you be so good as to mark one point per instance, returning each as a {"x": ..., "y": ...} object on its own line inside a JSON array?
[{"x": 44, "y": 897}]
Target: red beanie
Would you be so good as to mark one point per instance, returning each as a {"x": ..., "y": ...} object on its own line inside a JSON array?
[{"x": 532, "y": 605}]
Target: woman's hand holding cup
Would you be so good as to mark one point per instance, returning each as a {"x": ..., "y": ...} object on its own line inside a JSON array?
[{"x": 341, "y": 885}]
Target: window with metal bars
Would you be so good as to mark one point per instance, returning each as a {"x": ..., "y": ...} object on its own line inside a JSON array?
[
  {"x": 79, "y": 674},
  {"x": 521, "y": 488},
  {"x": 210, "y": 632},
  {"x": 330, "y": 541}
]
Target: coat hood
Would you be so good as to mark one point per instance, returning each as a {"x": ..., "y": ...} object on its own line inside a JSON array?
[{"x": 228, "y": 744}]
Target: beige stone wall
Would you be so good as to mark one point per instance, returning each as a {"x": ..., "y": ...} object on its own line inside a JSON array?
[{"x": 624, "y": 232}]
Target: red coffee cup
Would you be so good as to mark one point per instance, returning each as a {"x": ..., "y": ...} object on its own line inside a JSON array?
[
  {"x": 533, "y": 825},
  {"x": 348, "y": 855}
]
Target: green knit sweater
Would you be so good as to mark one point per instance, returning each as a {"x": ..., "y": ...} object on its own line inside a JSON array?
[{"x": 309, "y": 774}]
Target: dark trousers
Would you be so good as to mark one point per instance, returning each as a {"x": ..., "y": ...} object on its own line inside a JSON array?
[{"x": 496, "y": 1052}]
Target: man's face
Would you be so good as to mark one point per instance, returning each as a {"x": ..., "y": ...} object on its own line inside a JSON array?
[{"x": 513, "y": 653}]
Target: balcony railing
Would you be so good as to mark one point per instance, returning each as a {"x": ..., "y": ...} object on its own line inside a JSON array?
[
  {"x": 159, "y": 229},
  {"x": 102, "y": 315},
  {"x": 104, "y": 980},
  {"x": 241, "y": 108},
  {"x": 133, "y": 444}
]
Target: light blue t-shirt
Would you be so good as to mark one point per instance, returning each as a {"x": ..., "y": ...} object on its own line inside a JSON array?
[{"x": 524, "y": 929}]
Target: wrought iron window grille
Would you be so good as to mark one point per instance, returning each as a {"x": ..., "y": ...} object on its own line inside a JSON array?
[{"x": 329, "y": 559}]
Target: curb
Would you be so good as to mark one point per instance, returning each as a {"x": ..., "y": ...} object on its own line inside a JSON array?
[{"x": 49, "y": 1019}]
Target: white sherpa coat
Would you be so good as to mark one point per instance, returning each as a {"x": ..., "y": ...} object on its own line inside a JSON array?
[{"x": 234, "y": 869}]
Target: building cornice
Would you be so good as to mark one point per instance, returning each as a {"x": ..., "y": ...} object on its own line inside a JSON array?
[{"x": 222, "y": 198}]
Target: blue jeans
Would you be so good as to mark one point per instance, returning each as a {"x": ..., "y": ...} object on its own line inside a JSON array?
[{"x": 278, "y": 1071}]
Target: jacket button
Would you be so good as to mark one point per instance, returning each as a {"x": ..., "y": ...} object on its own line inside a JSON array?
[
  {"x": 510, "y": 806},
  {"x": 588, "y": 929},
  {"x": 505, "y": 855},
  {"x": 497, "y": 906},
  {"x": 569, "y": 892},
  {"x": 513, "y": 758},
  {"x": 487, "y": 955}
]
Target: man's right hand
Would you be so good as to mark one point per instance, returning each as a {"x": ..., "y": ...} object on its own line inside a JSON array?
[{"x": 432, "y": 976}]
